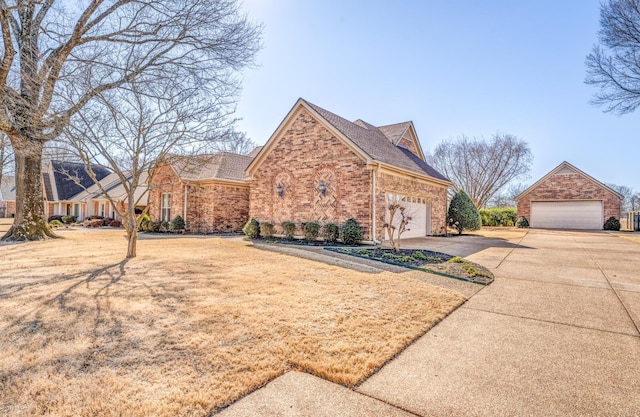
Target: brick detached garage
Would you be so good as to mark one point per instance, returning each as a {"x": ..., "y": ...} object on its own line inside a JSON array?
[{"x": 567, "y": 198}]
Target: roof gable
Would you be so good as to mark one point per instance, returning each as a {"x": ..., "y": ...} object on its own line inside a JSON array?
[
  {"x": 566, "y": 168},
  {"x": 367, "y": 140}
]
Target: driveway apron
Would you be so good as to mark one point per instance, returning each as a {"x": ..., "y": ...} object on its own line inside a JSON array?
[{"x": 556, "y": 334}]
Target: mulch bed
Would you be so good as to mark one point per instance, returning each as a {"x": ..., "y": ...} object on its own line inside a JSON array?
[{"x": 434, "y": 262}]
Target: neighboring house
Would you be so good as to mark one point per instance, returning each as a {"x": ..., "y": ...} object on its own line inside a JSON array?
[
  {"x": 8, "y": 196},
  {"x": 567, "y": 198},
  {"x": 62, "y": 182},
  {"x": 209, "y": 192},
  {"x": 96, "y": 202},
  {"x": 318, "y": 166}
]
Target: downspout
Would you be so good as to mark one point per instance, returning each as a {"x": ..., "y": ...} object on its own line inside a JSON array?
[
  {"x": 184, "y": 209},
  {"x": 373, "y": 205}
]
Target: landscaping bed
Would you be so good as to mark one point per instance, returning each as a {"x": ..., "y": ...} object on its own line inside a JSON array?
[{"x": 434, "y": 262}]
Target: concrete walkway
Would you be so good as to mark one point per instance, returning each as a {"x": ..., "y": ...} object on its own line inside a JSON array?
[{"x": 556, "y": 334}]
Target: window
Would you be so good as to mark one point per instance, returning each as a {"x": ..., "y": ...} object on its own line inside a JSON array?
[
  {"x": 165, "y": 207},
  {"x": 76, "y": 210},
  {"x": 102, "y": 209}
]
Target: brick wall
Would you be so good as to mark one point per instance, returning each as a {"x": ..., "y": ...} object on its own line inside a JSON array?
[
  {"x": 434, "y": 194},
  {"x": 166, "y": 180},
  {"x": 217, "y": 208},
  {"x": 570, "y": 187},
  {"x": 307, "y": 154}
]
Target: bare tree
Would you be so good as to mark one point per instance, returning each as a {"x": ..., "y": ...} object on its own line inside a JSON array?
[
  {"x": 627, "y": 203},
  {"x": 394, "y": 225},
  {"x": 56, "y": 56},
  {"x": 234, "y": 142},
  {"x": 483, "y": 167},
  {"x": 613, "y": 65},
  {"x": 6, "y": 157}
]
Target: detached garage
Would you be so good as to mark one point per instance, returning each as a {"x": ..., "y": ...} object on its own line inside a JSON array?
[{"x": 567, "y": 198}]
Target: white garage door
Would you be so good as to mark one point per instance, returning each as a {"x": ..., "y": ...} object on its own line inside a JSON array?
[
  {"x": 420, "y": 212},
  {"x": 566, "y": 214}
]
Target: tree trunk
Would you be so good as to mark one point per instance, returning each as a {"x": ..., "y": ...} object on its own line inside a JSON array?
[
  {"x": 130, "y": 224},
  {"x": 132, "y": 246},
  {"x": 29, "y": 223}
]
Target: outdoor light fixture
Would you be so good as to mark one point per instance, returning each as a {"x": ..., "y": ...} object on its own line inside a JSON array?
[
  {"x": 323, "y": 188},
  {"x": 279, "y": 190}
]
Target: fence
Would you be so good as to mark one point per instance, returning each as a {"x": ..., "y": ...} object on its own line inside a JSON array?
[{"x": 633, "y": 220}]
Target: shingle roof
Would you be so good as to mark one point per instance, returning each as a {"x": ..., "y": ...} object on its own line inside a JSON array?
[
  {"x": 67, "y": 186},
  {"x": 373, "y": 142},
  {"x": 8, "y": 188},
  {"x": 221, "y": 166},
  {"x": 255, "y": 151},
  {"x": 48, "y": 192}
]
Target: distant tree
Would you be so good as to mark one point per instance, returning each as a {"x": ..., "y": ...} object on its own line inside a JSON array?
[
  {"x": 234, "y": 142},
  {"x": 507, "y": 198},
  {"x": 56, "y": 56},
  {"x": 483, "y": 167},
  {"x": 614, "y": 65},
  {"x": 6, "y": 157},
  {"x": 634, "y": 202},
  {"x": 463, "y": 214},
  {"x": 628, "y": 203}
]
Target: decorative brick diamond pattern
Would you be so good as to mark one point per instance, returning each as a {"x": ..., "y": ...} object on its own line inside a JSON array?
[{"x": 325, "y": 204}]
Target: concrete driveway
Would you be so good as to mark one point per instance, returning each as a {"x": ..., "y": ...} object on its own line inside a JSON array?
[{"x": 556, "y": 334}]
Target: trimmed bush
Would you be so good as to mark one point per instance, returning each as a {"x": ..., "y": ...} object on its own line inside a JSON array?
[
  {"x": 522, "y": 223},
  {"x": 164, "y": 227},
  {"x": 115, "y": 223},
  {"x": 55, "y": 223},
  {"x": 498, "y": 216},
  {"x": 266, "y": 230},
  {"x": 69, "y": 219},
  {"x": 289, "y": 229},
  {"x": 311, "y": 231},
  {"x": 177, "y": 224},
  {"x": 331, "y": 232},
  {"x": 252, "y": 229},
  {"x": 93, "y": 223},
  {"x": 57, "y": 217},
  {"x": 612, "y": 224},
  {"x": 94, "y": 217},
  {"x": 463, "y": 214},
  {"x": 351, "y": 232},
  {"x": 419, "y": 256}
]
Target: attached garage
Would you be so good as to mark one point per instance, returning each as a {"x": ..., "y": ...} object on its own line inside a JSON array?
[
  {"x": 567, "y": 198},
  {"x": 566, "y": 214},
  {"x": 420, "y": 212}
]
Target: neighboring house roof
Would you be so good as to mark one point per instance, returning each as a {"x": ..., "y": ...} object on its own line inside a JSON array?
[
  {"x": 65, "y": 175},
  {"x": 375, "y": 142},
  {"x": 113, "y": 186},
  {"x": 218, "y": 166},
  {"x": 566, "y": 167},
  {"x": 48, "y": 191},
  {"x": 8, "y": 188}
]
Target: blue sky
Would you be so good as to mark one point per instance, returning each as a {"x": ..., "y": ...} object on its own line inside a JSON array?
[{"x": 452, "y": 67}]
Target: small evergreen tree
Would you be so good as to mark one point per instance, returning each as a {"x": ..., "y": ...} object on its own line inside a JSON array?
[
  {"x": 177, "y": 224},
  {"x": 463, "y": 214}
]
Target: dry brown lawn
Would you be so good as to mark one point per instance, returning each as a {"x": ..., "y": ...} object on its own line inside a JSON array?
[{"x": 190, "y": 325}]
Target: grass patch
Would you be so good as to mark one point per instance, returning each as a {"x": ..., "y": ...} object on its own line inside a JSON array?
[{"x": 190, "y": 325}]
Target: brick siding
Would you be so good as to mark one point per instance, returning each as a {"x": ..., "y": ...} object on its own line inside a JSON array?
[
  {"x": 306, "y": 154},
  {"x": 566, "y": 187},
  {"x": 211, "y": 207},
  {"x": 409, "y": 144},
  {"x": 433, "y": 194}
]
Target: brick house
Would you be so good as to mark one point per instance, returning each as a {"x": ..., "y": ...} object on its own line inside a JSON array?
[
  {"x": 318, "y": 166},
  {"x": 209, "y": 192},
  {"x": 567, "y": 198}
]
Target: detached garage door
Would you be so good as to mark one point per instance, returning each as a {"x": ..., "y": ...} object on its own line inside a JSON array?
[
  {"x": 566, "y": 214},
  {"x": 420, "y": 212}
]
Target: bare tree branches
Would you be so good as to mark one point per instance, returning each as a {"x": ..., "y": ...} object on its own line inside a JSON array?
[
  {"x": 480, "y": 167},
  {"x": 58, "y": 57},
  {"x": 394, "y": 225},
  {"x": 614, "y": 65}
]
